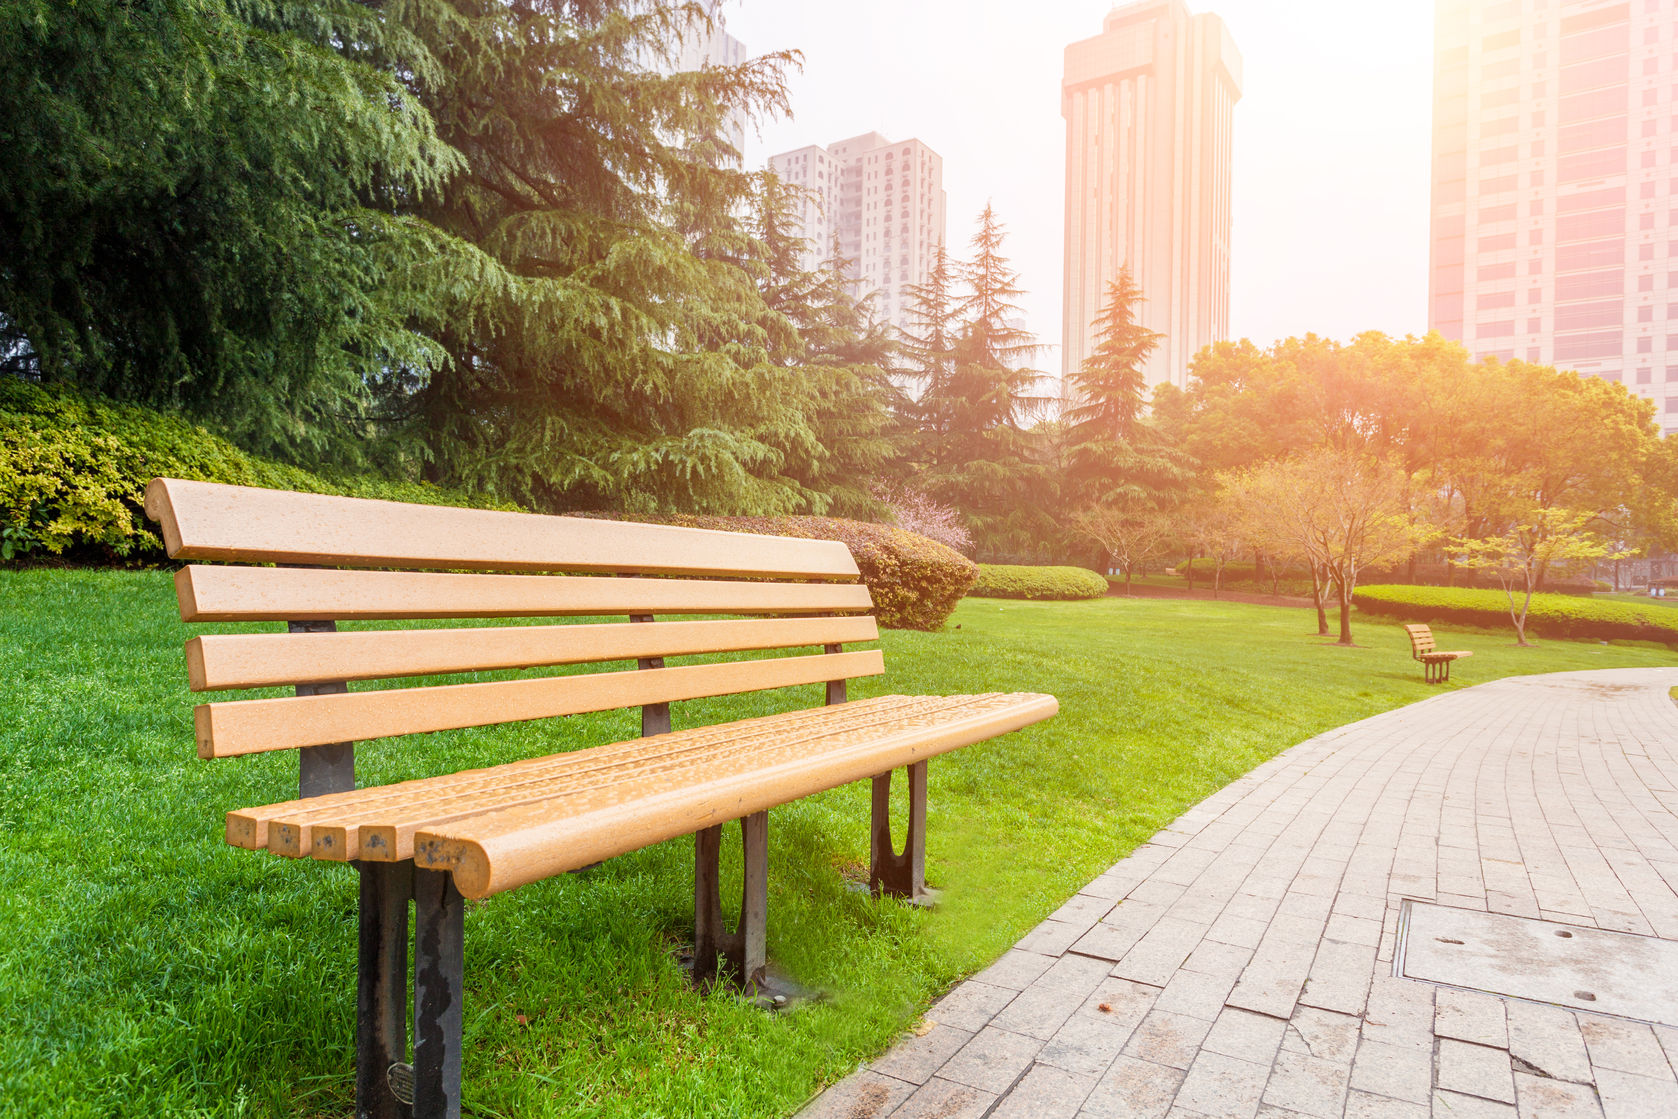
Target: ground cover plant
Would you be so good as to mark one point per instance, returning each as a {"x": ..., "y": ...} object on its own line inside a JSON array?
[
  {"x": 1551, "y": 615},
  {"x": 1059, "y": 584},
  {"x": 149, "y": 969}
]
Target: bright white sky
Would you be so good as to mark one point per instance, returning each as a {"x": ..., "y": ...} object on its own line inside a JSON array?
[{"x": 1331, "y": 137}]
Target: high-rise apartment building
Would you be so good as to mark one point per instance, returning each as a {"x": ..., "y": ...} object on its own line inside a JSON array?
[
  {"x": 1149, "y": 107},
  {"x": 1555, "y": 186},
  {"x": 882, "y": 200},
  {"x": 703, "y": 46}
]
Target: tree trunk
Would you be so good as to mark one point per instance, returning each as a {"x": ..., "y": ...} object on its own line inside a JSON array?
[
  {"x": 1344, "y": 587},
  {"x": 1317, "y": 601},
  {"x": 1127, "y": 582},
  {"x": 1521, "y": 622},
  {"x": 1191, "y": 572}
]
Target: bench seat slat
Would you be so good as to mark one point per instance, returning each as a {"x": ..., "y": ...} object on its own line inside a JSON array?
[
  {"x": 284, "y": 594},
  {"x": 504, "y": 827},
  {"x": 379, "y": 822},
  {"x": 255, "y": 725},
  {"x": 260, "y": 660},
  {"x": 203, "y": 520}
]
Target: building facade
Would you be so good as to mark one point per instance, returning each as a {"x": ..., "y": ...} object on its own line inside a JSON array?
[
  {"x": 705, "y": 46},
  {"x": 1554, "y": 228},
  {"x": 1149, "y": 108},
  {"x": 882, "y": 201}
]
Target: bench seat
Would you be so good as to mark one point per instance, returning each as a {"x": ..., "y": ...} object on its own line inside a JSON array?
[{"x": 506, "y": 826}]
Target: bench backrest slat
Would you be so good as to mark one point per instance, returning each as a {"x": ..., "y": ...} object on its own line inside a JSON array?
[
  {"x": 281, "y": 594},
  {"x": 260, "y": 660},
  {"x": 1421, "y": 640},
  {"x": 205, "y": 521},
  {"x": 257, "y": 725}
]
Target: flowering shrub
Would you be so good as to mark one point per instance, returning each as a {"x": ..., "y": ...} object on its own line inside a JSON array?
[{"x": 915, "y": 511}]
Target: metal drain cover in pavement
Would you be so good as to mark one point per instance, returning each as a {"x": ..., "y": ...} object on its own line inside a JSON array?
[{"x": 1614, "y": 973}]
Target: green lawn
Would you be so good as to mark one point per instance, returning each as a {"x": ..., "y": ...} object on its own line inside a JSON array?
[{"x": 149, "y": 969}]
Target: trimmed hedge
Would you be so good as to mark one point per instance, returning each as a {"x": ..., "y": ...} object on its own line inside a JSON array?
[
  {"x": 915, "y": 582},
  {"x": 1060, "y": 584},
  {"x": 73, "y": 472},
  {"x": 1552, "y": 615}
]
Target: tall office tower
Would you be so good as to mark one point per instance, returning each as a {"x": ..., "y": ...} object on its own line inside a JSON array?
[
  {"x": 701, "y": 47},
  {"x": 1149, "y": 107},
  {"x": 885, "y": 203},
  {"x": 1555, "y": 238}
]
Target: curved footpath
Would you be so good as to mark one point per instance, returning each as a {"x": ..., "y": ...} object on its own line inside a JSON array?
[{"x": 1242, "y": 962}]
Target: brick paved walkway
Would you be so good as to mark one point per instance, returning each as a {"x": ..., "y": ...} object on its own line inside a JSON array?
[{"x": 1240, "y": 963}]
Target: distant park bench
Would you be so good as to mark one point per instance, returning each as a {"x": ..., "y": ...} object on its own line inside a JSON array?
[
  {"x": 1436, "y": 665},
  {"x": 312, "y": 561}
]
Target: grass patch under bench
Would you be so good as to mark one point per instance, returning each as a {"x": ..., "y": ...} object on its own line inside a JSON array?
[{"x": 150, "y": 969}]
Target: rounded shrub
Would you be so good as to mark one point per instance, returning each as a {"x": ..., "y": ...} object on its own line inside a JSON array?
[
  {"x": 1552, "y": 615},
  {"x": 915, "y": 582},
  {"x": 74, "y": 468},
  {"x": 1061, "y": 584}
]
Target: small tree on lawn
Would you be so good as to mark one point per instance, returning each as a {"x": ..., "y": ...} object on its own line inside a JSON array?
[
  {"x": 916, "y": 510},
  {"x": 1130, "y": 533},
  {"x": 1347, "y": 512},
  {"x": 1274, "y": 514},
  {"x": 1553, "y": 541},
  {"x": 1213, "y": 531}
]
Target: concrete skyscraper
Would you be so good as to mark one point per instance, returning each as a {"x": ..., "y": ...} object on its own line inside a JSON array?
[
  {"x": 884, "y": 201},
  {"x": 702, "y": 46},
  {"x": 1555, "y": 238},
  {"x": 1149, "y": 107}
]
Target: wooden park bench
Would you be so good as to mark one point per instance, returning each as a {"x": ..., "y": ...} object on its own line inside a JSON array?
[
  {"x": 312, "y": 561},
  {"x": 1436, "y": 665}
]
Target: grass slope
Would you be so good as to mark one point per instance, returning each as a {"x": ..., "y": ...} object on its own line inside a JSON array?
[{"x": 149, "y": 969}]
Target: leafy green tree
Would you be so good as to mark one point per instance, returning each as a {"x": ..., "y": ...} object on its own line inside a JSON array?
[
  {"x": 628, "y": 362},
  {"x": 204, "y": 205}
]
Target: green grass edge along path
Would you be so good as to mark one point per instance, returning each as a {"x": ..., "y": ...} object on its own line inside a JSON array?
[{"x": 149, "y": 969}]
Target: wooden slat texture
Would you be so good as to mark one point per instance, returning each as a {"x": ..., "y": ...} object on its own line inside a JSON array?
[
  {"x": 280, "y": 594},
  {"x": 505, "y": 849},
  {"x": 264, "y": 660},
  {"x": 255, "y": 725},
  {"x": 614, "y": 786},
  {"x": 205, "y": 521},
  {"x": 391, "y": 813}
]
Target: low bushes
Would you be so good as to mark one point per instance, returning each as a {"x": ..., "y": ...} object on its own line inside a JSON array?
[
  {"x": 915, "y": 581},
  {"x": 73, "y": 472},
  {"x": 999, "y": 580},
  {"x": 1552, "y": 615}
]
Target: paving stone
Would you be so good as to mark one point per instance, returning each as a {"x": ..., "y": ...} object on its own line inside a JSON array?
[
  {"x": 1322, "y": 1033},
  {"x": 1400, "y": 1012},
  {"x": 1454, "y": 1105},
  {"x": 945, "y": 1099},
  {"x": 1045, "y": 1092},
  {"x": 1052, "y": 938},
  {"x": 1627, "y": 1096},
  {"x": 1474, "y": 1070},
  {"x": 916, "y": 1058},
  {"x": 1543, "y": 1098},
  {"x": 1223, "y": 1086},
  {"x": 1308, "y": 1085},
  {"x": 1168, "y": 1039},
  {"x": 862, "y": 1095},
  {"x": 1016, "y": 970},
  {"x": 970, "y": 1006},
  {"x": 992, "y": 1060},
  {"x": 1040, "y": 1010},
  {"x": 1363, "y": 1105},
  {"x": 1339, "y": 977},
  {"x": 1624, "y": 1046},
  {"x": 1087, "y": 1043},
  {"x": 1399, "y": 1071},
  {"x": 1245, "y": 1035},
  {"x": 1195, "y": 994},
  {"x": 1547, "y": 1038},
  {"x": 1133, "y": 1089},
  {"x": 1471, "y": 1016}
]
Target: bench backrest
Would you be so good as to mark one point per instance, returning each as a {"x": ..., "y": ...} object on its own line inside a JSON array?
[
  {"x": 1421, "y": 640},
  {"x": 349, "y": 559}
]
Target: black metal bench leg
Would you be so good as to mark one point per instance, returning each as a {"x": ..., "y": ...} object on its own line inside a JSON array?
[
  {"x": 439, "y": 968},
  {"x": 891, "y": 874},
  {"x": 739, "y": 956},
  {"x": 381, "y": 997}
]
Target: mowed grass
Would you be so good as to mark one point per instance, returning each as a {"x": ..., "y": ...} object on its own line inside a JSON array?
[{"x": 149, "y": 969}]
